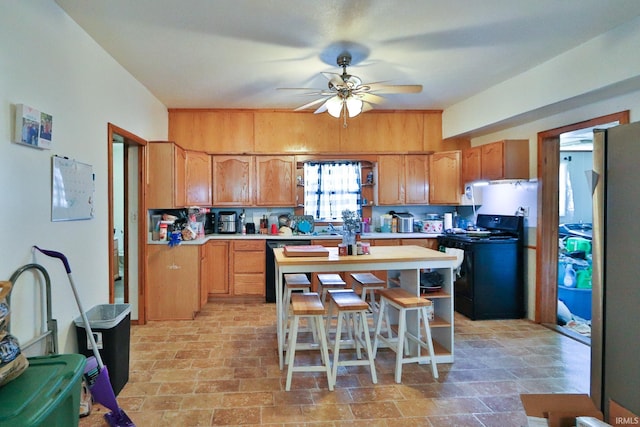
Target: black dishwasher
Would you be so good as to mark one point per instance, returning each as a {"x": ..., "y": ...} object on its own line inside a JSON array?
[{"x": 271, "y": 266}]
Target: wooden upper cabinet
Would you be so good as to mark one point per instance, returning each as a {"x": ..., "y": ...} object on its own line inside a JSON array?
[
  {"x": 275, "y": 181},
  {"x": 233, "y": 180},
  {"x": 213, "y": 131},
  {"x": 291, "y": 132},
  {"x": 444, "y": 177},
  {"x": 471, "y": 165},
  {"x": 379, "y": 132},
  {"x": 165, "y": 175},
  {"x": 416, "y": 179},
  {"x": 198, "y": 179},
  {"x": 507, "y": 159},
  {"x": 391, "y": 180},
  {"x": 432, "y": 139}
]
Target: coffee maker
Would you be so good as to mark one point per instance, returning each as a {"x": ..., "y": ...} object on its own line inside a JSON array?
[
  {"x": 210, "y": 223},
  {"x": 227, "y": 222}
]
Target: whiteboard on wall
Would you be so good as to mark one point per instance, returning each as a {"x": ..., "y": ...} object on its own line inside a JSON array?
[{"x": 72, "y": 188}]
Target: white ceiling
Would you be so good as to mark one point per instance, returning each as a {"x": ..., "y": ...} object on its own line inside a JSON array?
[{"x": 236, "y": 53}]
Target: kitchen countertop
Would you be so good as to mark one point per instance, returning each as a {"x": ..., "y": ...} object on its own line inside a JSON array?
[{"x": 365, "y": 236}]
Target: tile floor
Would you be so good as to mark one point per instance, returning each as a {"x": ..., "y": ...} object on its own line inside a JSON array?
[{"x": 222, "y": 369}]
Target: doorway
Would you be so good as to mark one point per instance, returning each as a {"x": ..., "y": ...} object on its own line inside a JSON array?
[
  {"x": 547, "y": 236},
  {"x": 127, "y": 231}
]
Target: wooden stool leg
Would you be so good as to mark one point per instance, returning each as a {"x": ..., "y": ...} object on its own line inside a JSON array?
[
  {"x": 400, "y": 349},
  {"x": 383, "y": 309},
  {"x": 427, "y": 331},
  {"x": 324, "y": 350},
  {"x": 336, "y": 347},
  {"x": 367, "y": 340},
  {"x": 291, "y": 351}
]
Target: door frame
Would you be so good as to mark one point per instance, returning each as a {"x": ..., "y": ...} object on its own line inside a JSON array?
[
  {"x": 548, "y": 217},
  {"x": 129, "y": 139}
]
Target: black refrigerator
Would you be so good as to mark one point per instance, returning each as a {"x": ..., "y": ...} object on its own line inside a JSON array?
[{"x": 615, "y": 341}]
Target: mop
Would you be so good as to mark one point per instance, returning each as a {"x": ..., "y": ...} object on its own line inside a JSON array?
[{"x": 96, "y": 373}]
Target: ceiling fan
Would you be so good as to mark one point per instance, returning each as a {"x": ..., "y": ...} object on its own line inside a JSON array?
[{"x": 346, "y": 95}]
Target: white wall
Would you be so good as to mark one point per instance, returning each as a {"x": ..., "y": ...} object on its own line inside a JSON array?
[{"x": 48, "y": 62}]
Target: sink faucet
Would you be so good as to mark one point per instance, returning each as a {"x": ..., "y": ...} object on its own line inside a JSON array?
[{"x": 332, "y": 228}]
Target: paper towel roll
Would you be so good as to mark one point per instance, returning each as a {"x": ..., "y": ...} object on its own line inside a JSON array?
[{"x": 448, "y": 221}]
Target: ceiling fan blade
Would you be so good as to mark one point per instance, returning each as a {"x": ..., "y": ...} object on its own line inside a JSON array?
[
  {"x": 322, "y": 108},
  {"x": 334, "y": 79},
  {"x": 371, "y": 98},
  {"x": 384, "y": 88},
  {"x": 310, "y": 104},
  {"x": 366, "y": 107}
]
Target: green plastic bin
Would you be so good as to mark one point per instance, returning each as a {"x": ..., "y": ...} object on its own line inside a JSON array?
[{"x": 46, "y": 394}]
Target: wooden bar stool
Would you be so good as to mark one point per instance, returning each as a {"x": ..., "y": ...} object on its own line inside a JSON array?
[
  {"x": 353, "y": 311},
  {"x": 293, "y": 282},
  {"x": 328, "y": 281},
  {"x": 367, "y": 284},
  {"x": 404, "y": 301},
  {"x": 308, "y": 305}
]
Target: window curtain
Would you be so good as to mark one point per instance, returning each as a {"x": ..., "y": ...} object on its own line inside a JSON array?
[{"x": 331, "y": 188}]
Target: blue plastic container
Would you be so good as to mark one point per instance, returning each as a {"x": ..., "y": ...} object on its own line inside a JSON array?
[{"x": 577, "y": 300}]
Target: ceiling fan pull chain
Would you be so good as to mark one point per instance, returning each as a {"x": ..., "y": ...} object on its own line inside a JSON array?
[{"x": 344, "y": 114}]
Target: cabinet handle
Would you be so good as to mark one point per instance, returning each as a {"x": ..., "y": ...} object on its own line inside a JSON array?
[{"x": 174, "y": 267}]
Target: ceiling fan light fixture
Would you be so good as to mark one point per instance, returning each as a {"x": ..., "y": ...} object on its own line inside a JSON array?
[
  {"x": 354, "y": 106},
  {"x": 334, "y": 106}
]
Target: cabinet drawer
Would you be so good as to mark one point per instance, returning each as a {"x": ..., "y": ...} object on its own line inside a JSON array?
[
  {"x": 249, "y": 245},
  {"x": 249, "y": 262},
  {"x": 249, "y": 284}
]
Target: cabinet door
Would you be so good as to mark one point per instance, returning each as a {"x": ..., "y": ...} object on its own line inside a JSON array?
[
  {"x": 295, "y": 132},
  {"x": 391, "y": 180},
  {"x": 416, "y": 179},
  {"x": 173, "y": 285},
  {"x": 425, "y": 243},
  {"x": 275, "y": 181},
  {"x": 232, "y": 180},
  {"x": 214, "y": 269},
  {"x": 375, "y": 131},
  {"x": 165, "y": 175},
  {"x": 444, "y": 177},
  {"x": 471, "y": 165},
  {"x": 198, "y": 179},
  {"x": 180, "y": 177},
  {"x": 492, "y": 160},
  {"x": 214, "y": 131}
]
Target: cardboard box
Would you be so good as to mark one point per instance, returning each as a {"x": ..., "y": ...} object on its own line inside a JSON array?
[{"x": 558, "y": 410}]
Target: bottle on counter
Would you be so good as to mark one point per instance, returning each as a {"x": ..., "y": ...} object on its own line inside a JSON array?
[{"x": 394, "y": 225}]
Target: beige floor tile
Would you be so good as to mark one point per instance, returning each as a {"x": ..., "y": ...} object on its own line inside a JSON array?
[{"x": 222, "y": 369}]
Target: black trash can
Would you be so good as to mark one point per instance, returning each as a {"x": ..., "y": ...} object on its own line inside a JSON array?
[{"x": 111, "y": 327}]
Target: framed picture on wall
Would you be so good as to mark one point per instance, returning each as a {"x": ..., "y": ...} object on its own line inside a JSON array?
[{"x": 33, "y": 127}]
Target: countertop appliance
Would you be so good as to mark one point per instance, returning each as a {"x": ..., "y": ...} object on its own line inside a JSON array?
[
  {"x": 490, "y": 283},
  {"x": 615, "y": 325},
  {"x": 405, "y": 222},
  {"x": 227, "y": 222},
  {"x": 209, "y": 223},
  {"x": 271, "y": 264}
]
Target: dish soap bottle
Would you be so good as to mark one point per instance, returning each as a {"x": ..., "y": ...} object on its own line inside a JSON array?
[{"x": 569, "y": 276}]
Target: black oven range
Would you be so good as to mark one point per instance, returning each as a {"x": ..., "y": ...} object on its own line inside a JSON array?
[{"x": 490, "y": 283}]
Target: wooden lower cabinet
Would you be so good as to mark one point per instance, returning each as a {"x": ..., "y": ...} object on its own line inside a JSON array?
[
  {"x": 173, "y": 282},
  {"x": 214, "y": 269},
  {"x": 248, "y": 263},
  {"x": 425, "y": 243}
]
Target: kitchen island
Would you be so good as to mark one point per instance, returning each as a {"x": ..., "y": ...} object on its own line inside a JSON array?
[{"x": 403, "y": 264}]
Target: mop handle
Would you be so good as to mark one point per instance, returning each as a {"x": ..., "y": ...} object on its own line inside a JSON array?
[{"x": 92, "y": 340}]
